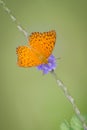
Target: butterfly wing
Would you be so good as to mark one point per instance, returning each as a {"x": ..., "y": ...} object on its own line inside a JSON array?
[
  {"x": 43, "y": 43},
  {"x": 26, "y": 58}
]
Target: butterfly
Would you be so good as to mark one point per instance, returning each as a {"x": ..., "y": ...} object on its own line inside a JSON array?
[{"x": 38, "y": 49}]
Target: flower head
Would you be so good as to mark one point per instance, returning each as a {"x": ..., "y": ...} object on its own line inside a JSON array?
[{"x": 50, "y": 66}]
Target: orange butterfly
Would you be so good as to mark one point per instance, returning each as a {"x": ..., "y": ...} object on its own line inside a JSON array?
[{"x": 38, "y": 50}]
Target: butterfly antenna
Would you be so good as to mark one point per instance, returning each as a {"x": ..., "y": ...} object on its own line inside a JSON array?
[{"x": 59, "y": 58}]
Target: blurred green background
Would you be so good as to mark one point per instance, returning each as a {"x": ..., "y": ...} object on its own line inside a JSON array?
[{"x": 28, "y": 99}]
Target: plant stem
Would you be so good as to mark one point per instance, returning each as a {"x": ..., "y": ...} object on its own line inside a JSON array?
[
  {"x": 70, "y": 99},
  {"x": 13, "y": 18}
]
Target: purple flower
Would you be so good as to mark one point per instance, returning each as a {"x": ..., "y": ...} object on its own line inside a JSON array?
[{"x": 50, "y": 66}]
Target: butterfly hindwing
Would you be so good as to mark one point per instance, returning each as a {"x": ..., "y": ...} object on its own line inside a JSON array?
[{"x": 26, "y": 58}]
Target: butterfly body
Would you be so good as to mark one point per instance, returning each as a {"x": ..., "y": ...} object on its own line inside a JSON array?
[{"x": 40, "y": 47}]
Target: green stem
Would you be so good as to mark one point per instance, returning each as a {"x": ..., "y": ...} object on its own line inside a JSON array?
[
  {"x": 70, "y": 99},
  {"x": 13, "y": 18}
]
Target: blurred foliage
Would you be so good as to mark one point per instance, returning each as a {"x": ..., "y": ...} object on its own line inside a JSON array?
[{"x": 74, "y": 124}]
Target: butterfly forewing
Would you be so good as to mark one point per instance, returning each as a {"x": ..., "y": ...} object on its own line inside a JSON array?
[{"x": 43, "y": 43}]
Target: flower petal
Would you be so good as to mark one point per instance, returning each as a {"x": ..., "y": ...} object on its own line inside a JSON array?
[{"x": 50, "y": 66}]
